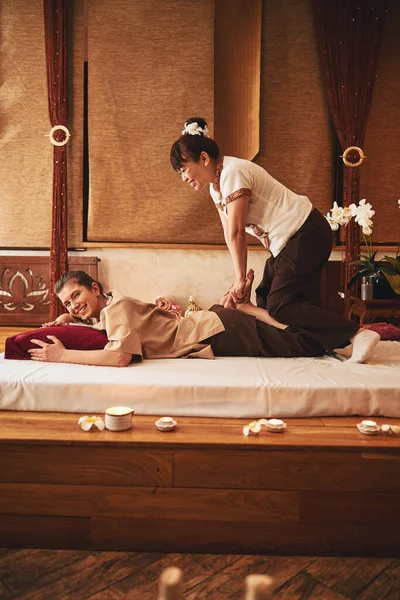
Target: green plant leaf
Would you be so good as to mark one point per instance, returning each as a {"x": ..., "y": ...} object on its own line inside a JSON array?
[
  {"x": 394, "y": 282},
  {"x": 356, "y": 276},
  {"x": 394, "y": 262}
]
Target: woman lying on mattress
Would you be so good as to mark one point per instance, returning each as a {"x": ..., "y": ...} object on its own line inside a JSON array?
[{"x": 137, "y": 330}]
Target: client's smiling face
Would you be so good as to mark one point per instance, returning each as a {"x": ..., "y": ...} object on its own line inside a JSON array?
[{"x": 80, "y": 301}]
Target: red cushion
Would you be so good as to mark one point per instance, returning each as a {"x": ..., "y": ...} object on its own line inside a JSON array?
[
  {"x": 387, "y": 331},
  {"x": 74, "y": 337}
]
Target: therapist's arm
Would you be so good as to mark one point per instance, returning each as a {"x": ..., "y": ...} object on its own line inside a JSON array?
[{"x": 236, "y": 241}]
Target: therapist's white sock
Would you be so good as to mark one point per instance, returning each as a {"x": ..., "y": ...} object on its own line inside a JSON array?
[{"x": 362, "y": 345}]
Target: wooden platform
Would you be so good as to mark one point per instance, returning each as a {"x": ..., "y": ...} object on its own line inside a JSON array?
[{"x": 321, "y": 488}]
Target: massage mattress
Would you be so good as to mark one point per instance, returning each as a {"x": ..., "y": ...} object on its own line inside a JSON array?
[{"x": 224, "y": 387}]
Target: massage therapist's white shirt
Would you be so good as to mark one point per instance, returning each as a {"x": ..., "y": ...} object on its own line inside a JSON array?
[{"x": 274, "y": 214}]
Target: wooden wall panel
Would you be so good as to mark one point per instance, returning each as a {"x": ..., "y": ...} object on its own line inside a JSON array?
[
  {"x": 24, "y": 287},
  {"x": 237, "y": 73},
  {"x": 296, "y": 144},
  {"x": 380, "y": 172},
  {"x": 76, "y": 45}
]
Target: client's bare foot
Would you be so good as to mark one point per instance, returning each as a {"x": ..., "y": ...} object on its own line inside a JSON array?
[
  {"x": 229, "y": 300},
  {"x": 246, "y": 306},
  {"x": 247, "y": 287}
]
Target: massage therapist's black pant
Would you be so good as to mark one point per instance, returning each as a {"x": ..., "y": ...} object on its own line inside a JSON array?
[
  {"x": 245, "y": 336},
  {"x": 291, "y": 286}
]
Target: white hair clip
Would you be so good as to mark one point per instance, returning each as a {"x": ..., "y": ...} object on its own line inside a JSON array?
[{"x": 195, "y": 129}]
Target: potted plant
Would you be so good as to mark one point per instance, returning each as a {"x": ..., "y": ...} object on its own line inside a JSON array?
[{"x": 384, "y": 273}]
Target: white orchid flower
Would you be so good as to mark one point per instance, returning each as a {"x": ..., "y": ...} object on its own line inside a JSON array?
[
  {"x": 334, "y": 224},
  {"x": 195, "y": 129},
  {"x": 337, "y": 213},
  {"x": 353, "y": 209},
  {"x": 86, "y": 423},
  {"x": 367, "y": 230}
]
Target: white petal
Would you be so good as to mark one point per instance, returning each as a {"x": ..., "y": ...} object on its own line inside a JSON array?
[
  {"x": 86, "y": 426},
  {"x": 82, "y": 419},
  {"x": 256, "y": 428}
]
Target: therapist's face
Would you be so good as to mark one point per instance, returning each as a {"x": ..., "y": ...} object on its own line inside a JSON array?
[
  {"x": 197, "y": 174},
  {"x": 79, "y": 301}
]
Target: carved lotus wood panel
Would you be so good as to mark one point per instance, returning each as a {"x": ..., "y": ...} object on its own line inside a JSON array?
[{"x": 24, "y": 287}]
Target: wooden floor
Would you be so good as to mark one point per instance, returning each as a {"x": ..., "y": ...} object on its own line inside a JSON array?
[{"x": 75, "y": 575}]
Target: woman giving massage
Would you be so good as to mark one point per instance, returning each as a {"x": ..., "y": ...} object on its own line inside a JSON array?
[
  {"x": 296, "y": 234},
  {"x": 137, "y": 330}
]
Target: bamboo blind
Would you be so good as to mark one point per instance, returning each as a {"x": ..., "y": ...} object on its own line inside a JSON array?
[
  {"x": 150, "y": 68},
  {"x": 25, "y": 152}
]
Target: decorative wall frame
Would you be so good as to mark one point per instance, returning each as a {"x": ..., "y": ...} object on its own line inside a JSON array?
[{"x": 25, "y": 287}]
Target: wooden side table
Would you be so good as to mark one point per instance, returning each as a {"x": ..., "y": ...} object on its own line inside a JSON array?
[{"x": 370, "y": 310}]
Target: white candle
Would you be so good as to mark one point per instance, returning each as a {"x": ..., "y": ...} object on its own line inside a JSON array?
[
  {"x": 118, "y": 418},
  {"x": 119, "y": 411}
]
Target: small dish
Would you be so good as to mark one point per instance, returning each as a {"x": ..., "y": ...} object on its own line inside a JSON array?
[
  {"x": 368, "y": 427},
  {"x": 276, "y": 426},
  {"x": 166, "y": 424}
]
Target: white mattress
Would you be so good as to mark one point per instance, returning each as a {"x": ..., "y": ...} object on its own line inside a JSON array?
[{"x": 225, "y": 387}]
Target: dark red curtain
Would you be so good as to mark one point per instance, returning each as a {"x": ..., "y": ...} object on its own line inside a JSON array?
[
  {"x": 349, "y": 34},
  {"x": 55, "y": 23}
]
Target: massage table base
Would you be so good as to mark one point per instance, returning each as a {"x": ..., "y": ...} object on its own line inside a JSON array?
[{"x": 320, "y": 488}]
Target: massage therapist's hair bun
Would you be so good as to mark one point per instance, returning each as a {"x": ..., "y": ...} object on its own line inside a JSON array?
[{"x": 196, "y": 126}]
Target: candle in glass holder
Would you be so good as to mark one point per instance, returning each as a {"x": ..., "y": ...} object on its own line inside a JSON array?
[{"x": 118, "y": 418}]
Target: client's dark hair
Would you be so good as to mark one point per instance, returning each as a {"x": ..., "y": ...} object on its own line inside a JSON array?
[
  {"x": 190, "y": 145},
  {"x": 79, "y": 277}
]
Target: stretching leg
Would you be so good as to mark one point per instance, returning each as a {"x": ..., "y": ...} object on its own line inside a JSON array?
[{"x": 247, "y": 307}]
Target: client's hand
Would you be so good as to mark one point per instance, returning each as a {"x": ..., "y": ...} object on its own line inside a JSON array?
[
  {"x": 53, "y": 323},
  {"x": 48, "y": 352},
  {"x": 61, "y": 320}
]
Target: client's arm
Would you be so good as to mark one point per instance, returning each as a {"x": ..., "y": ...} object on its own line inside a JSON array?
[{"x": 57, "y": 352}]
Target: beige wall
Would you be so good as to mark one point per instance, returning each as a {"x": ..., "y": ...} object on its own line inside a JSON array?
[{"x": 147, "y": 273}]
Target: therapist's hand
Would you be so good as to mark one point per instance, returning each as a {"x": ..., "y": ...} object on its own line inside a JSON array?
[
  {"x": 238, "y": 289},
  {"x": 48, "y": 352}
]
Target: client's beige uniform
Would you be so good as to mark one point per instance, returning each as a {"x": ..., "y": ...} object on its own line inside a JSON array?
[{"x": 143, "y": 329}]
